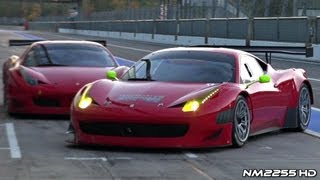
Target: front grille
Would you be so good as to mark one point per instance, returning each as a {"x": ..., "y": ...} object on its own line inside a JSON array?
[
  {"x": 46, "y": 102},
  {"x": 134, "y": 129}
]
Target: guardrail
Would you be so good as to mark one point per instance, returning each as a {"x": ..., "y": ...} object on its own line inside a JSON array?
[
  {"x": 11, "y": 21},
  {"x": 293, "y": 29}
]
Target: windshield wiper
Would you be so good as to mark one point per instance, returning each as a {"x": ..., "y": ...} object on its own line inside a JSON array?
[
  {"x": 148, "y": 69},
  {"x": 148, "y": 74},
  {"x": 46, "y": 52}
]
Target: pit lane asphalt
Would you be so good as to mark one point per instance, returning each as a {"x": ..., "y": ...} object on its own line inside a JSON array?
[{"x": 45, "y": 155}]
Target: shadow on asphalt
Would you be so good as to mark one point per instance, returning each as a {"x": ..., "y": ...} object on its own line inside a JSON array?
[
  {"x": 252, "y": 140},
  {"x": 38, "y": 117}
]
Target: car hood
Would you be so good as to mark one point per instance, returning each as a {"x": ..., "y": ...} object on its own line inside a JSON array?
[
  {"x": 148, "y": 93},
  {"x": 68, "y": 76}
]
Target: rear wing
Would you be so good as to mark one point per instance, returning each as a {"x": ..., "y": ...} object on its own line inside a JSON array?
[
  {"x": 18, "y": 42},
  {"x": 268, "y": 50},
  {"x": 22, "y": 42}
]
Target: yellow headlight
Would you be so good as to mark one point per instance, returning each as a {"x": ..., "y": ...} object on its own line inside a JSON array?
[
  {"x": 193, "y": 105},
  {"x": 209, "y": 96},
  {"x": 85, "y": 101},
  {"x": 190, "y": 106}
]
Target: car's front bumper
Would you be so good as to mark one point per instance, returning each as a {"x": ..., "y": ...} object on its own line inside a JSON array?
[
  {"x": 40, "y": 100},
  {"x": 161, "y": 129}
]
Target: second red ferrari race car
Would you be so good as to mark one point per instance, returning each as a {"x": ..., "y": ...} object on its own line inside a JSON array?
[
  {"x": 45, "y": 78},
  {"x": 191, "y": 97}
]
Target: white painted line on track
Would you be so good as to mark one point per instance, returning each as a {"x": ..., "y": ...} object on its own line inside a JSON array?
[
  {"x": 315, "y": 109},
  {"x": 204, "y": 174},
  {"x": 190, "y": 155},
  {"x": 86, "y": 158},
  {"x": 312, "y": 133},
  {"x": 97, "y": 158},
  {"x": 120, "y": 158},
  {"x": 13, "y": 142},
  {"x": 313, "y": 79}
]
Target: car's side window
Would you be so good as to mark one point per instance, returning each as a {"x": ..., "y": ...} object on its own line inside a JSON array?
[
  {"x": 250, "y": 69},
  {"x": 30, "y": 59},
  {"x": 36, "y": 56},
  {"x": 41, "y": 56}
]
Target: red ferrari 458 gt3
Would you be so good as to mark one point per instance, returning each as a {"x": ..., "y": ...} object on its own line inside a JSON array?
[
  {"x": 191, "y": 97},
  {"x": 46, "y": 77}
]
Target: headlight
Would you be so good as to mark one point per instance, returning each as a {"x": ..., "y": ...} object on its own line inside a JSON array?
[
  {"x": 210, "y": 95},
  {"x": 32, "y": 82},
  {"x": 29, "y": 79},
  {"x": 85, "y": 100},
  {"x": 193, "y": 105}
]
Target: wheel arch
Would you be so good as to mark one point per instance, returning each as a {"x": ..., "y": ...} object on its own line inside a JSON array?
[
  {"x": 246, "y": 95},
  {"x": 308, "y": 84},
  {"x": 291, "y": 119},
  {"x": 236, "y": 140}
]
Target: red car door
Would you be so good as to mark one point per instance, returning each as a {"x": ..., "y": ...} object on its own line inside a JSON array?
[{"x": 268, "y": 102}]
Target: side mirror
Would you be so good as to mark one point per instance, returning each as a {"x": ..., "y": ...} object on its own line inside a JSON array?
[
  {"x": 112, "y": 75},
  {"x": 13, "y": 59},
  {"x": 264, "y": 78}
]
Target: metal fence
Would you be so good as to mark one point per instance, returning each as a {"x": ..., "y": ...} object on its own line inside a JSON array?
[
  {"x": 299, "y": 29},
  {"x": 11, "y": 21},
  {"x": 187, "y": 11}
]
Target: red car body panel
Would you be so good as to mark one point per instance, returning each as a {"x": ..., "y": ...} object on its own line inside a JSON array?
[
  {"x": 148, "y": 113},
  {"x": 56, "y": 86},
  {"x": 111, "y": 118},
  {"x": 60, "y": 85}
]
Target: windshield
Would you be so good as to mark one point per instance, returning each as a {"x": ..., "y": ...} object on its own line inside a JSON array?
[
  {"x": 200, "y": 67},
  {"x": 80, "y": 55}
]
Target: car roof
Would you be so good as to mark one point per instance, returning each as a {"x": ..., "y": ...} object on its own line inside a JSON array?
[
  {"x": 207, "y": 49},
  {"x": 59, "y": 42}
]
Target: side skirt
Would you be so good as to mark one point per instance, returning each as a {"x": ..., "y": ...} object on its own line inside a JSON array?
[{"x": 271, "y": 129}]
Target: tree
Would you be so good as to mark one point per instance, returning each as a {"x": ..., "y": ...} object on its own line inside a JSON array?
[
  {"x": 285, "y": 5},
  {"x": 87, "y": 7},
  {"x": 238, "y": 6},
  {"x": 34, "y": 12},
  {"x": 120, "y": 4},
  {"x": 254, "y": 8},
  {"x": 267, "y": 8},
  {"x": 14, "y": 10}
]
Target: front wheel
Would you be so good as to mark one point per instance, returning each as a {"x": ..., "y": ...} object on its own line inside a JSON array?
[
  {"x": 304, "y": 108},
  {"x": 241, "y": 122}
]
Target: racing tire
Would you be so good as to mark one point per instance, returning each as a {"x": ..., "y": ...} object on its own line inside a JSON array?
[
  {"x": 71, "y": 136},
  {"x": 241, "y": 122},
  {"x": 304, "y": 108}
]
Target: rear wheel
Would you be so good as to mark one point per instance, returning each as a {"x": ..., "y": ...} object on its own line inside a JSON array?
[
  {"x": 241, "y": 122},
  {"x": 304, "y": 108}
]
